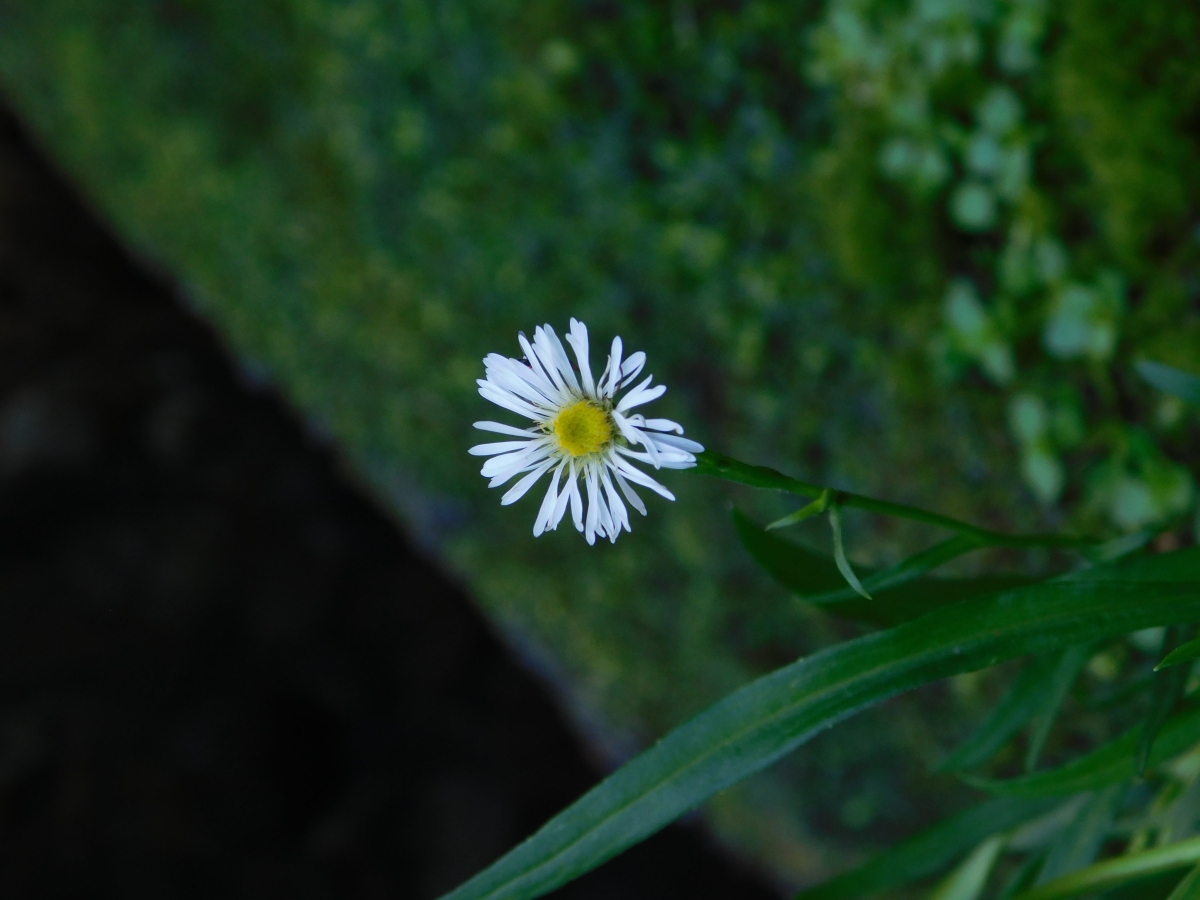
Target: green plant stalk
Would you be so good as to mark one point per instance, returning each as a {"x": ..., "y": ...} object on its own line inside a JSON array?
[
  {"x": 717, "y": 465},
  {"x": 1113, "y": 872}
]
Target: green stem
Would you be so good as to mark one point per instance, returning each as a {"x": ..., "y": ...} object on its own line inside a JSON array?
[{"x": 718, "y": 465}]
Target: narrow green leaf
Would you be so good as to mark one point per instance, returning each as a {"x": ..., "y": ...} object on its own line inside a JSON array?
[
  {"x": 931, "y": 850},
  {"x": 899, "y": 591},
  {"x": 1112, "y": 763},
  {"x": 1181, "y": 654},
  {"x": 1113, "y": 873},
  {"x": 1165, "y": 694},
  {"x": 1173, "y": 381},
  {"x": 717, "y": 465},
  {"x": 1070, "y": 663},
  {"x": 773, "y": 715},
  {"x": 1079, "y": 842},
  {"x": 1189, "y": 888},
  {"x": 1023, "y": 700},
  {"x": 815, "y": 508},
  {"x": 970, "y": 878},
  {"x": 839, "y": 553}
]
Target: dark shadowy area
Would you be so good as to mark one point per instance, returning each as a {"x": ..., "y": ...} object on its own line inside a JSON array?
[{"x": 224, "y": 672}]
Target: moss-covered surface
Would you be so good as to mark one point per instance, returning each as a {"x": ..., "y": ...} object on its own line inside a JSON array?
[{"x": 366, "y": 197}]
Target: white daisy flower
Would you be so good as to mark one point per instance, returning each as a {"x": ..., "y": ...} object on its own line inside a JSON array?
[{"x": 581, "y": 431}]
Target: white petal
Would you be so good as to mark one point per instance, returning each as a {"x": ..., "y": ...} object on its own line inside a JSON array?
[
  {"x": 548, "y": 503},
  {"x": 501, "y": 428},
  {"x": 502, "y": 468},
  {"x": 552, "y": 353},
  {"x": 637, "y": 476},
  {"x": 547, "y": 383},
  {"x": 613, "y": 368},
  {"x": 491, "y": 392},
  {"x": 641, "y": 394},
  {"x": 517, "y": 491},
  {"x": 499, "y": 447},
  {"x": 625, "y": 426},
  {"x": 560, "y": 505},
  {"x": 679, "y": 443},
  {"x": 534, "y": 387},
  {"x": 592, "y": 513},
  {"x": 630, "y": 494},
  {"x": 662, "y": 425},
  {"x": 605, "y": 525},
  {"x": 576, "y": 500},
  {"x": 632, "y": 367},
  {"x": 619, "y": 514},
  {"x": 578, "y": 339}
]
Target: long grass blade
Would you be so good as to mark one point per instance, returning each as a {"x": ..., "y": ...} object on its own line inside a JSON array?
[{"x": 770, "y": 717}]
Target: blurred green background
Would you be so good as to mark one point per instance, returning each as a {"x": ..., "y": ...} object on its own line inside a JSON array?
[{"x": 907, "y": 247}]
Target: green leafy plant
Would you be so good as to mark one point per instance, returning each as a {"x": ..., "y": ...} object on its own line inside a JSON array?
[{"x": 1046, "y": 828}]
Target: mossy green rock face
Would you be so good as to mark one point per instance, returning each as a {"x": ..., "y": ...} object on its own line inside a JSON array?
[{"x": 367, "y": 197}]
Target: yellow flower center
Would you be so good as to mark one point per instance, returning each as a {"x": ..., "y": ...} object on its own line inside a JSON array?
[{"x": 583, "y": 428}]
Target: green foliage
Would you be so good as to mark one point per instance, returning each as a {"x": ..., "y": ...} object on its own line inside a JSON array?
[
  {"x": 970, "y": 155},
  {"x": 757, "y": 724}
]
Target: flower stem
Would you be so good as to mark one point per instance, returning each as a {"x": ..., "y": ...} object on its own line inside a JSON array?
[{"x": 717, "y": 465}]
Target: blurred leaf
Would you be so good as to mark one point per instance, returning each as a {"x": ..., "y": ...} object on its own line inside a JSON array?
[
  {"x": 1067, "y": 668},
  {"x": 970, "y": 878},
  {"x": 1023, "y": 700},
  {"x": 1170, "y": 380},
  {"x": 1122, "y": 870},
  {"x": 1189, "y": 888},
  {"x": 770, "y": 717},
  {"x": 1165, "y": 694},
  {"x": 1079, "y": 842},
  {"x": 1023, "y": 877},
  {"x": 1181, "y": 654},
  {"x": 1112, "y": 763},
  {"x": 931, "y": 850},
  {"x": 900, "y": 594}
]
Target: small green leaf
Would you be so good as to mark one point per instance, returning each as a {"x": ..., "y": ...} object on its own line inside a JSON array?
[
  {"x": 815, "y": 508},
  {"x": 1121, "y": 870},
  {"x": 1172, "y": 381},
  {"x": 1024, "y": 699},
  {"x": 1068, "y": 666},
  {"x": 970, "y": 878},
  {"x": 839, "y": 552},
  {"x": 1181, "y": 654},
  {"x": 1165, "y": 694},
  {"x": 1112, "y": 763},
  {"x": 770, "y": 717},
  {"x": 931, "y": 850}
]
